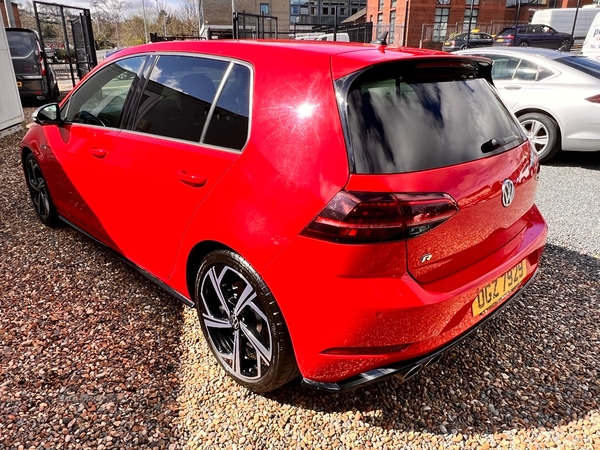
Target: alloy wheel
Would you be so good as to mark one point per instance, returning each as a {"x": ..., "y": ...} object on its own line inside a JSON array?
[
  {"x": 38, "y": 189},
  {"x": 236, "y": 322},
  {"x": 538, "y": 134}
]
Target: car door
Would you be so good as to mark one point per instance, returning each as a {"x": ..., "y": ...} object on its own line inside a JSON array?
[
  {"x": 92, "y": 118},
  {"x": 512, "y": 76},
  {"x": 161, "y": 172}
]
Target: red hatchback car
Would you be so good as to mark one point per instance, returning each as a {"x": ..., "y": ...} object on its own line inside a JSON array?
[{"x": 343, "y": 212}]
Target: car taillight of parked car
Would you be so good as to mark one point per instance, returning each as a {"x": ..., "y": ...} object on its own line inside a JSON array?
[{"x": 360, "y": 217}]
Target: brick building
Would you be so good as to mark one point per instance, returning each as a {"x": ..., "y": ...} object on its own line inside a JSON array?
[
  {"x": 426, "y": 23},
  {"x": 15, "y": 9},
  {"x": 218, "y": 14}
]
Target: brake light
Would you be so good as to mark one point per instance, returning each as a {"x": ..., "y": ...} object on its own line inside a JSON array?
[
  {"x": 594, "y": 99},
  {"x": 41, "y": 61},
  {"x": 361, "y": 217}
]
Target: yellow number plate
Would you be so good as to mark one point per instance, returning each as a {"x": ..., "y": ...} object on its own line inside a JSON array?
[
  {"x": 19, "y": 84},
  {"x": 498, "y": 289},
  {"x": 500, "y": 40}
]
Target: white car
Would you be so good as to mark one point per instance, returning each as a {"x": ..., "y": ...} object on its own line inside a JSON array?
[{"x": 555, "y": 95}]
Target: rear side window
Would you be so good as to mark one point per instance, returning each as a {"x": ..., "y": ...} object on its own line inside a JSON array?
[
  {"x": 179, "y": 101},
  {"x": 404, "y": 119}
]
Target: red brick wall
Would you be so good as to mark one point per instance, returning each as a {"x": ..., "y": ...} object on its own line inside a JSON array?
[
  {"x": 15, "y": 9},
  {"x": 423, "y": 12}
]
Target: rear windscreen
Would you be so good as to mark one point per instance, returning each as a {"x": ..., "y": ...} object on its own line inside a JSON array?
[
  {"x": 405, "y": 119},
  {"x": 590, "y": 66},
  {"x": 24, "y": 52}
]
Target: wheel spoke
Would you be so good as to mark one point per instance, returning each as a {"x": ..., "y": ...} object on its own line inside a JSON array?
[
  {"x": 256, "y": 342},
  {"x": 214, "y": 322},
  {"x": 31, "y": 176},
  {"x": 237, "y": 353},
  {"x": 535, "y": 128},
  {"x": 215, "y": 281},
  {"x": 245, "y": 299}
]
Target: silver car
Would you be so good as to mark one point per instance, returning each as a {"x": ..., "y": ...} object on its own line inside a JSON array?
[{"x": 555, "y": 95}]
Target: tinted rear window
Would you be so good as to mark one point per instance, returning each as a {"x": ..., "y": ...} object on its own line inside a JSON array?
[
  {"x": 406, "y": 119},
  {"x": 589, "y": 66},
  {"x": 24, "y": 52}
]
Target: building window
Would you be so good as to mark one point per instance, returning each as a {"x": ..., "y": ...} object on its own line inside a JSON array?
[
  {"x": 443, "y": 2},
  {"x": 440, "y": 23},
  {"x": 264, "y": 9},
  {"x": 475, "y": 2},
  {"x": 472, "y": 19},
  {"x": 392, "y": 27},
  {"x": 380, "y": 5},
  {"x": 393, "y": 3}
]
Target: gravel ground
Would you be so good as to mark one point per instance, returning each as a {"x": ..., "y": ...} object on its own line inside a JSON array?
[{"x": 94, "y": 356}]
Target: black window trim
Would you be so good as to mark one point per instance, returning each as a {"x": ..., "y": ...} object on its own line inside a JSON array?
[{"x": 232, "y": 62}]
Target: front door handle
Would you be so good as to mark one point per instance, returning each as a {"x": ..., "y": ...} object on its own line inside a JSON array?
[
  {"x": 513, "y": 87},
  {"x": 190, "y": 179},
  {"x": 98, "y": 152}
]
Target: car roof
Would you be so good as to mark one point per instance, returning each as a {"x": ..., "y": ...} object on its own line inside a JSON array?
[{"x": 355, "y": 55}]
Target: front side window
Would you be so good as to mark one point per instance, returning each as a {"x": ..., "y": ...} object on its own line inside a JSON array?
[
  {"x": 101, "y": 99},
  {"x": 405, "y": 118},
  {"x": 179, "y": 98}
]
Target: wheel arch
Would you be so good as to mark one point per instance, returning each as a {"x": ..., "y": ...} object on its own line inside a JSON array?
[{"x": 194, "y": 259}]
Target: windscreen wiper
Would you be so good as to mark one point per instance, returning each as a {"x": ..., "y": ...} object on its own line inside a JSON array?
[{"x": 496, "y": 143}]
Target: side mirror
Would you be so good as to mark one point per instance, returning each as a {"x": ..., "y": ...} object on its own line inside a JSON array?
[{"x": 47, "y": 115}]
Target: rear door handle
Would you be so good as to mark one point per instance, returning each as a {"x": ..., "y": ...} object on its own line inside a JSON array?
[
  {"x": 193, "y": 180},
  {"x": 513, "y": 87},
  {"x": 98, "y": 152}
]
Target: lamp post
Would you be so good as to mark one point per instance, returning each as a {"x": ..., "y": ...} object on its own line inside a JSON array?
[
  {"x": 145, "y": 26},
  {"x": 575, "y": 20},
  {"x": 470, "y": 21},
  {"x": 517, "y": 21}
]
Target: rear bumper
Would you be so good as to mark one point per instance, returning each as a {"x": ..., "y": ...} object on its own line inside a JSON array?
[
  {"x": 350, "y": 312},
  {"x": 404, "y": 370}
]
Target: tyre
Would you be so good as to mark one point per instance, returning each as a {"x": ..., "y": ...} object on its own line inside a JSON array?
[
  {"x": 565, "y": 45},
  {"x": 38, "y": 190},
  {"x": 543, "y": 133},
  {"x": 464, "y": 47},
  {"x": 523, "y": 44},
  {"x": 243, "y": 324}
]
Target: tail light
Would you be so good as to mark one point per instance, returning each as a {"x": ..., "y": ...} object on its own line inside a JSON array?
[
  {"x": 452, "y": 43},
  {"x": 594, "y": 99},
  {"x": 41, "y": 61},
  {"x": 361, "y": 217}
]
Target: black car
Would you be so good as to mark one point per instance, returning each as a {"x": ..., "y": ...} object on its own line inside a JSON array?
[
  {"x": 459, "y": 42},
  {"x": 35, "y": 79},
  {"x": 534, "y": 36}
]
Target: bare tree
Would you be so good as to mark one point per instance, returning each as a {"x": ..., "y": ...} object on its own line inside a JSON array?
[
  {"x": 187, "y": 14},
  {"x": 113, "y": 11}
]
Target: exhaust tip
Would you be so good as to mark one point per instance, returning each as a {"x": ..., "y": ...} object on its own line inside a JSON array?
[
  {"x": 433, "y": 360},
  {"x": 409, "y": 373}
]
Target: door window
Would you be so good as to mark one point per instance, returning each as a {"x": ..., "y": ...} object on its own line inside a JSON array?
[
  {"x": 179, "y": 96},
  {"x": 100, "y": 100}
]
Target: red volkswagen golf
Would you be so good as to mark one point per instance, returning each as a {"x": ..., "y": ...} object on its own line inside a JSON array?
[{"x": 340, "y": 212}]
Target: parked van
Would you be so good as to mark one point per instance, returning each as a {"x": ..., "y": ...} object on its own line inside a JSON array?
[
  {"x": 561, "y": 19},
  {"x": 591, "y": 45},
  {"x": 34, "y": 79}
]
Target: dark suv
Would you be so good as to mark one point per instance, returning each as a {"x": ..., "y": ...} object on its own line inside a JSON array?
[
  {"x": 35, "y": 80},
  {"x": 534, "y": 36}
]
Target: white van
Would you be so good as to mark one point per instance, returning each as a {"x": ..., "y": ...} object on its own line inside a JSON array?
[
  {"x": 561, "y": 19},
  {"x": 591, "y": 45},
  {"x": 340, "y": 37}
]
